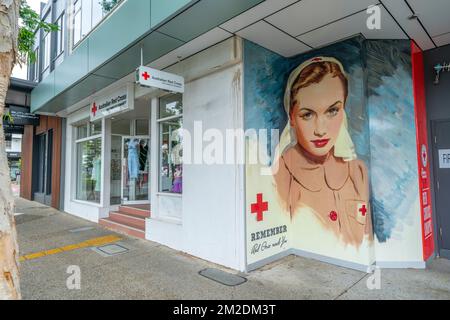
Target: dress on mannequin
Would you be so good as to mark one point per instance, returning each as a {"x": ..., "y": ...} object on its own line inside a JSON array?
[
  {"x": 96, "y": 176},
  {"x": 133, "y": 159}
]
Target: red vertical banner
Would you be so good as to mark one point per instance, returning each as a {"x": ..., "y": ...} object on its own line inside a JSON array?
[{"x": 422, "y": 151}]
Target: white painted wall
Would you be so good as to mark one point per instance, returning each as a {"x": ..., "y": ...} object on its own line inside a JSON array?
[{"x": 212, "y": 220}]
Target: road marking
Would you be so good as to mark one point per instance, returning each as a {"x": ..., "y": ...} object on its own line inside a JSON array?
[{"x": 85, "y": 244}]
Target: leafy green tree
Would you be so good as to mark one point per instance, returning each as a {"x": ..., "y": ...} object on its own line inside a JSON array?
[
  {"x": 16, "y": 47},
  {"x": 108, "y": 5}
]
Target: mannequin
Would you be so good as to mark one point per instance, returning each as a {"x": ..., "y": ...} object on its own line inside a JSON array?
[{"x": 133, "y": 166}]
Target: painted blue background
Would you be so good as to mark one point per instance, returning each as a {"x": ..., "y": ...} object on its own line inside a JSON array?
[
  {"x": 394, "y": 176},
  {"x": 380, "y": 111}
]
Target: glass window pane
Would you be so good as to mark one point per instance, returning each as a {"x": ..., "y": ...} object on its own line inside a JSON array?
[
  {"x": 47, "y": 50},
  {"x": 89, "y": 167},
  {"x": 142, "y": 127},
  {"x": 171, "y": 166},
  {"x": 170, "y": 105},
  {"x": 116, "y": 169},
  {"x": 36, "y": 66},
  {"x": 62, "y": 38},
  {"x": 82, "y": 132},
  {"x": 86, "y": 16},
  {"x": 60, "y": 35},
  {"x": 97, "y": 12},
  {"x": 77, "y": 22},
  {"x": 96, "y": 128}
]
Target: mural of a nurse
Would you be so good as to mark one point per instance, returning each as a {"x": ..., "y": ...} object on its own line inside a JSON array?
[{"x": 318, "y": 171}]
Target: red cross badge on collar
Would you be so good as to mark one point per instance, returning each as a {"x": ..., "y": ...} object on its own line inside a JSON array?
[{"x": 362, "y": 211}]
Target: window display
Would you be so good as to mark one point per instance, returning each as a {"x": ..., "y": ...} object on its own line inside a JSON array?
[
  {"x": 89, "y": 166},
  {"x": 170, "y": 127},
  {"x": 89, "y": 162},
  {"x": 136, "y": 169}
]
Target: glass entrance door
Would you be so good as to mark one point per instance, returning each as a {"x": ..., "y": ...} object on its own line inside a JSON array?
[
  {"x": 43, "y": 188},
  {"x": 135, "y": 169}
]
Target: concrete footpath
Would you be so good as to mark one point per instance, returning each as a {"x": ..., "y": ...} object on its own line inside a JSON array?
[{"x": 50, "y": 242}]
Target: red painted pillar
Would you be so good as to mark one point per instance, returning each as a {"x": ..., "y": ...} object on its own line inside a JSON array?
[{"x": 422, "y": 151}]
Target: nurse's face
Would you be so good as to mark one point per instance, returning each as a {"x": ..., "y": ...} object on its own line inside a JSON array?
[{"x": 317, "y": 117}]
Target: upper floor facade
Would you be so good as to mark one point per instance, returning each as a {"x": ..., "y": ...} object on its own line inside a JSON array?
[
  {"x": 102, "y": 41},
  {"x": 75, "y": 19}
]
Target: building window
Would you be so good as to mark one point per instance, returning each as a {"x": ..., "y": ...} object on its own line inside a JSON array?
[
  {"x": 170, "y": 144},
  {"x": 60, "y": 35},
  {"x": 35, "y": 68},
  {"x": 89, "y": 162},
  {"x": 46, "y": 45},
  {"x": 47, "y": 50},
  {"x": 77, "y": 22},
  {"x": 87, "y": 14}
]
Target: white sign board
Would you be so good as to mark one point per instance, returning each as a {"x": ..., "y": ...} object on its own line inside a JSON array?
[
  {"x": 117, "y": 101},
  {"x": 444, "y": 159},
  {"x": 152, "y": 78}
]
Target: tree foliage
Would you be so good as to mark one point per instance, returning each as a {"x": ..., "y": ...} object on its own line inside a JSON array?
[
  {"x": 31, "y": 24},
  {"x": 108, "y": 5}
]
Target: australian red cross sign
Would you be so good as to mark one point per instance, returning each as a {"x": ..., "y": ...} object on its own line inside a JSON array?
[
  {"x": 152, "y": 78},
  {"x": 115, "y": 102}
]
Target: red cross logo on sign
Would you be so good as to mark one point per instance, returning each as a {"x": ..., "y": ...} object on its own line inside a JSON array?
[
  {"x": 94, "y": 109},
  {"x": 260, "y": 207},
  {"x": 146, "y": 75}
]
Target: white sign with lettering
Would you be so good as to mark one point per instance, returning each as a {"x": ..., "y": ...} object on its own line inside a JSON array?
[
  {"x": 152, "y": 78},
  {"x": 117, "y": 101},
  {"x": 444, "y": 159}
]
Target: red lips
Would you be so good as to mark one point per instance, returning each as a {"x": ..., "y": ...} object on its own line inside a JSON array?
[{"x": 321, "y": 143}]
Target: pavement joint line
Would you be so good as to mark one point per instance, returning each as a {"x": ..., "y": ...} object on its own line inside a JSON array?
[
  {"x": 351, "y": 287},
  {"x": 95, "y": 242}
]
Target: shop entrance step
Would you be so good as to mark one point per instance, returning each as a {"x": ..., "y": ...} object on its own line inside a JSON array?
[{"x": 129, "y": 220}]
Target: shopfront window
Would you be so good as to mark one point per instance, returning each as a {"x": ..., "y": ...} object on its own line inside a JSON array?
[
  {"x": 88, "y": 162},
  {"x": 170, "y": 144}
]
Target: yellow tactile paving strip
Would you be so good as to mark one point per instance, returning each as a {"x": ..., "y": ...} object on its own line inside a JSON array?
[{"x": 85, "y": 244}]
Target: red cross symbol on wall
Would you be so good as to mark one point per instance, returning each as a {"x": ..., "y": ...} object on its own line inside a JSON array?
[
  {"x": 363, "y": 210},
  {"x": 424, "y": 157},
  {"x": 260, "y": 207},
  {"x": 146, "y": 75},
  {"x": 94, "y": 109}
]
